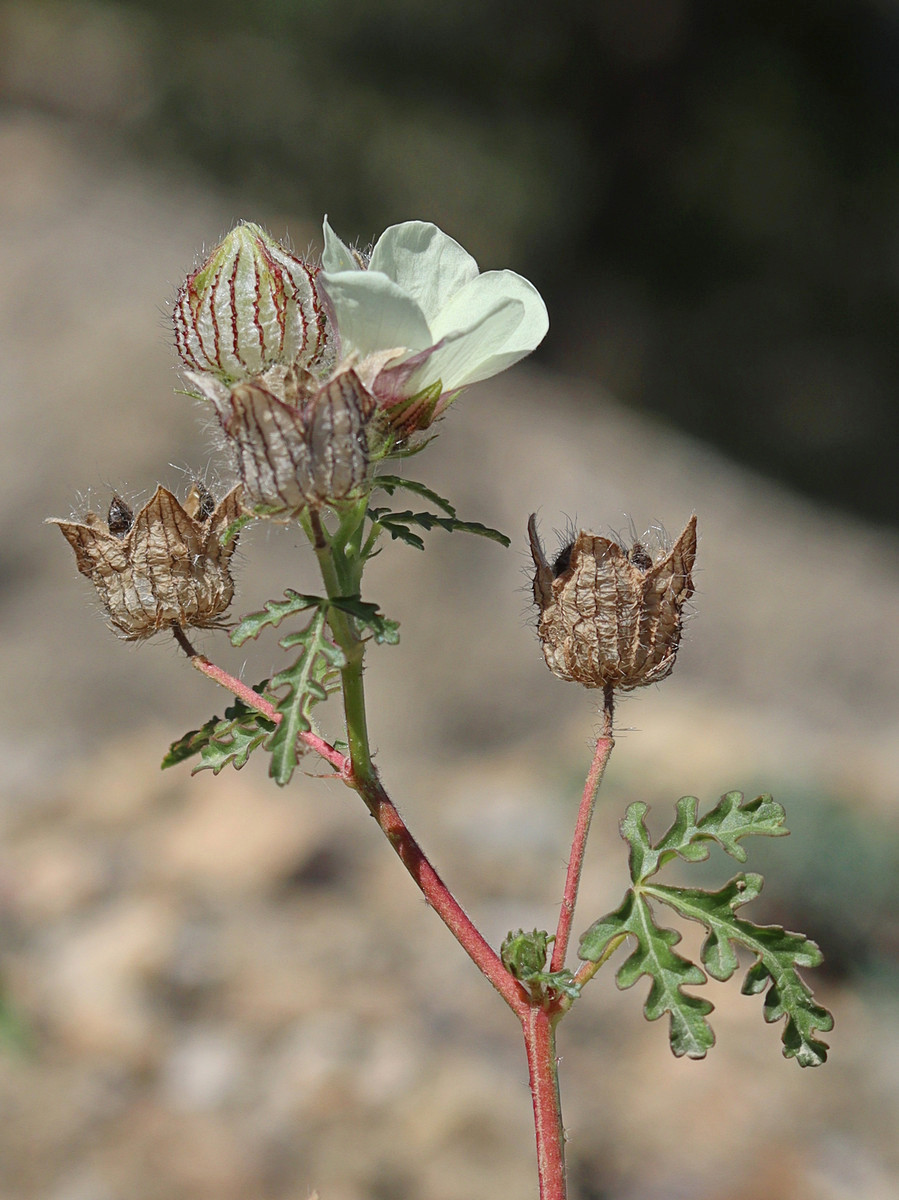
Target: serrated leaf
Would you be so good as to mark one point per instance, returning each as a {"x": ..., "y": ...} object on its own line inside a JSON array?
[
  {"x": 397, "y": 529},
  {"x": 401, "y": 521},
  {"x": 689, "y": 1033},
  {"x": 233, "y": 743},
  {"x": 303, "y": 685},
  {"x": 778, "y": 955},
  {"x": 273, "y": 614},
  {"x": 391, "y": 483},
  {"x": 193, "y": 741},
  {"x": 368, "y": 616},
  {"x": 688, "y": 838}
]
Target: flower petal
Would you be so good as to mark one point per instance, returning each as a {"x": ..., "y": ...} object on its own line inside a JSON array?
[
  {"x": 373, "y": 313},
  {"x": 482, "y": 294},
  {"x": 502, "y": 333},
  {"x": 511, "y": 322},
  {"x": 426, "y": 263},
  {"x": 336, "y": 255},
  {"x": 468, "y": 355}
]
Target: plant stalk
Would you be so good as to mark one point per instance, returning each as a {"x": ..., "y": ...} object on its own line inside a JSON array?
[
  {"x": 601, "y": 755},
  {"x": 543, "y": 1069}
]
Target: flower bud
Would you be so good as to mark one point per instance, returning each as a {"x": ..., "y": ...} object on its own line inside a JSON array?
[
  {"x": 610, "y": 617},
  {"x": 251, "y": 305},
  {"x": 166, "y": 565}
]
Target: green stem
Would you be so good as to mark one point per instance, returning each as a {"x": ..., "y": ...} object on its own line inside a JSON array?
[
  {"x": 341, "y": 566},
  {"x": 342, "y": 577}
]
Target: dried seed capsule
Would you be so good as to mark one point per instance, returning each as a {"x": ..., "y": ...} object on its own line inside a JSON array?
[
  {"x": 338, "y": 438},
  {"x": 251, "y": 305},
  {"x": 610, "y": 617},
  {"x": 170, "y": 567},
  {"x": 308, "y": 451}
]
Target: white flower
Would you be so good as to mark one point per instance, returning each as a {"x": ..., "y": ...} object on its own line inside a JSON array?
[{"x": 420, "y": 317}]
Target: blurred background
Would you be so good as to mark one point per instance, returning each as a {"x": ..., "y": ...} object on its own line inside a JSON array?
[{"x": 213, "y": 989}]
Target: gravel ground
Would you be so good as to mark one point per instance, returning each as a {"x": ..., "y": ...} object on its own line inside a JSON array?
[{"x": 231, "y": 991}]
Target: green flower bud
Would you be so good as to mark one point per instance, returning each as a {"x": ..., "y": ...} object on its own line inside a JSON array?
[{"x": 250, "y": 306}]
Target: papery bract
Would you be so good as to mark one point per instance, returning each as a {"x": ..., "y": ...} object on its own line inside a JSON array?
[
  {"x": 611, "y": 617},
  {"x": 167, "y": 565},
  {"x": 297, "y": 445}
]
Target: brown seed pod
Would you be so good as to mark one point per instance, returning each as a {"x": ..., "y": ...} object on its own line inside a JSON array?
[
  {"x": 170, "y": 567},
  {"x": 309, "y": 449},
  {"x": 610, "y": 617},
  {"x": 338, "y": 440}
]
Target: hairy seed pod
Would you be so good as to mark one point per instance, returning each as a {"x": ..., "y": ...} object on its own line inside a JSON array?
[
  {"x": 610, "y": 617},
  {"x": 293, "y": 456},
  {"x": 171, "y": 566},
  {"x": 338, "y": 438}
]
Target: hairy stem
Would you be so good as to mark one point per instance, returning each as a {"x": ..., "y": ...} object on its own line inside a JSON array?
[
  {"x": 587, "y": 970},
  {"x": 438, "y": 894},
  {"x": 601, "y": 755},
  {"x": 339, "y": 573},
  {"x": 253, "y": 700},
  {"x": 342, "y": 578},
  {"x": 543, "y": 1070}
]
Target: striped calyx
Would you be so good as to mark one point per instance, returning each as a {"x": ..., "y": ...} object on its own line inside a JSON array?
[
  {"x": 250, "y": 306},
  {"x": 296, "y": 445}
]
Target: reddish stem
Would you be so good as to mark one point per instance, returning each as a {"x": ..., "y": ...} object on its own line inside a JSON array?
[
  {"x": 252, "y": 699},
  {"x": 537, "y": 1022},
  {"x": 391, "y": 823},
  {"x": 601, "y": 754},
  {"x": 440, "y": 897},
  {"x": 540, "y": 1043}
]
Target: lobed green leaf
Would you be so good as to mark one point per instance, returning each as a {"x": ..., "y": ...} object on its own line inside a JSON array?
[
  {"x": 778, "y": 954},
  {"x": 218, "y": 730},
  {"x": 368, "y": 616},
  {"x": 397, "y": 528},
  {"x": 232, "y": 743},
  {"x": 391, "y": 483},
  {"x": 273, "y": 614},
  {"x": 689, "y": 1032},
  {"x": 398, "y": 523},
  {"x": 304, "y": 684},
  {"x": 688, "y": 838}
]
